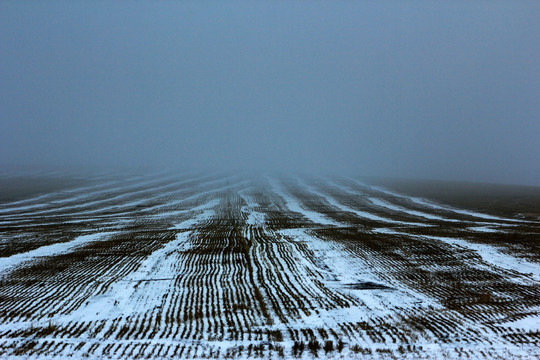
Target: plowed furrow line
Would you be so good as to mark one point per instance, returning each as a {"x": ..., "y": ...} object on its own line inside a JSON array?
[
  {"x": 290, "y": 287},
  {"x": 109, "y": 198}
]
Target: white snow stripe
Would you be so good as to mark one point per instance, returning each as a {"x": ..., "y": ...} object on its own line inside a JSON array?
[{"x": 7, "y": 264}]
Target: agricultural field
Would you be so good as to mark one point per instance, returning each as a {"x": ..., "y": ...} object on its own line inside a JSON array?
[{"x": 184, "y": 266}]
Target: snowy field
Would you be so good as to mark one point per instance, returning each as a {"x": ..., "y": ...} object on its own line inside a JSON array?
[{"x": 221, "y": 266}]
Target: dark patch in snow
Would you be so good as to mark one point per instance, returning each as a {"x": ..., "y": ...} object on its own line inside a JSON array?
[{"x": 367, "y": 285}]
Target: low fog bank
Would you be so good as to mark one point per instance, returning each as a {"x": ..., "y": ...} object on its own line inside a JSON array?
[
  {"x": 96, "y": 172},
  {"x": 416, "y": 90}
]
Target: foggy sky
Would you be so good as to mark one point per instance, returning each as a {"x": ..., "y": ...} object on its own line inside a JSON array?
[{"x": 445, "y": 90}]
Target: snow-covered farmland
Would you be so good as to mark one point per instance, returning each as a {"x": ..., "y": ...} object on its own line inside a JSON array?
[{"x": 232, "y": 266}]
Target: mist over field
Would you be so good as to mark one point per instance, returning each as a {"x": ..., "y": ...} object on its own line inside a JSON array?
[
  {"x": 274, "y": 180},
  {"x": 426, "y": 90}
]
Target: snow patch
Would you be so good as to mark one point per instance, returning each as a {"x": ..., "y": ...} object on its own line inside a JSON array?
[
  {"x": 529, "y": 323},
  {"x": 493, "y": 256},
  {"x": 293, "y": 205},
  {"x": 387, "y": 205},
  {"x": 8, "y": 263}
]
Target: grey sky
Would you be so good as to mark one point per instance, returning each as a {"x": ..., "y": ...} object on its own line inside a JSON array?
[{"x": 447, "y": 90}]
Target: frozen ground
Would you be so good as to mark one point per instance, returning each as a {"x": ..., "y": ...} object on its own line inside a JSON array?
[{"x": 229, "y": 266}]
